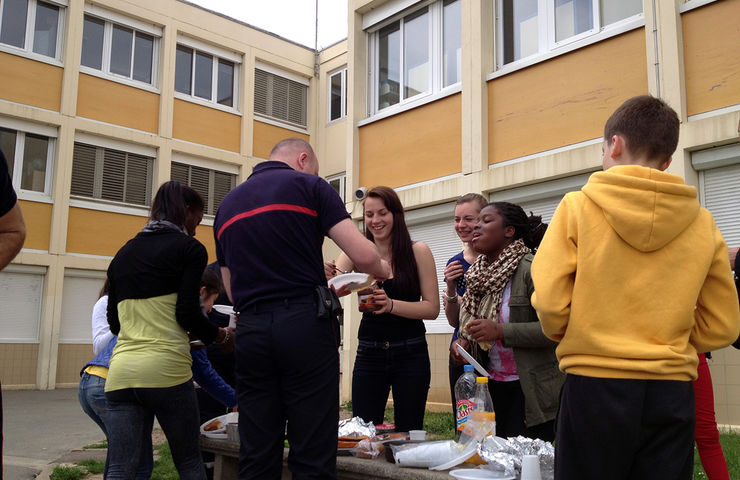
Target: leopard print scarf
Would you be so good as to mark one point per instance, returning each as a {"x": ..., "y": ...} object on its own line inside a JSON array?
[{"x": 486, "y": 283}]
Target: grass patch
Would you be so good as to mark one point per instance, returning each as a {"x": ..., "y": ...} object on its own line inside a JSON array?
[
  {"x": 102, "y": 444},
  {"x": 66, "y": 473},
  {"x": 93, "y": 466},
  {"x": 164, "y": 467},
  {"x": 731, "y": 448}
]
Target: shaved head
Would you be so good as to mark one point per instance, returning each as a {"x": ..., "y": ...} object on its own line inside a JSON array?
[{"x": 297, "y": 153}]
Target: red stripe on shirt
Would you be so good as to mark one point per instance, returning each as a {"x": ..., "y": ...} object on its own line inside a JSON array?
[{"x": 285, "y": 207}]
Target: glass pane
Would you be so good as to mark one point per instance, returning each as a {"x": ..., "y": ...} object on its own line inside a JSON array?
[
  {"x": 452, "y": 41},
  {"x": 416, "y": 53},
  {"x": 520, "y": 29},
  {"x": 7, "y": 146},
  {"x": 45, "y": 32},
  {"x": 226, "y": 83},
  {"x": 143, "y": 51},
  {"x": 389, "y": 61},
  {"x": 183, "y": 69},
  {"x": 92, "y": 43},
  {"x": 572, "y": 17},
  {"x": 612, "y": 11},
  {"x": 13, "y": 23},
  {"x": 35, "y": 153},
  {"x": 120, "y": 55},
  {"x": 336, "y": 96},
  {"x": 203, "y": 75}
]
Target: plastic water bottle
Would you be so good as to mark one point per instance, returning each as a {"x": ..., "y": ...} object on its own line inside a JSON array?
[
  {"x": 464, "y": 393},
  {"x": 481, "y": 421}
]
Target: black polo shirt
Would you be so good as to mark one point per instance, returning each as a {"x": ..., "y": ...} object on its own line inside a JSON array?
[{"x": 269, "y": 231}]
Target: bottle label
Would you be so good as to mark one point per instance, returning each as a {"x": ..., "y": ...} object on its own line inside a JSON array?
[{"x": 463, "y": 408}]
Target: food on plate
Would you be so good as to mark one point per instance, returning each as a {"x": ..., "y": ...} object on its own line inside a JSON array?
[
  {"x": 346, "y": 443},
  {"x": 214, "y": 424}
]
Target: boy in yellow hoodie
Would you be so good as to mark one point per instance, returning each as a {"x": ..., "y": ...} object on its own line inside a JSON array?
[{"x": 632, "y": 278}]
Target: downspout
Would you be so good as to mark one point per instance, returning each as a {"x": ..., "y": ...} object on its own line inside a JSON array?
[
  {"x": 655, "y": 45},
  {"x": 316, "y": 43}
]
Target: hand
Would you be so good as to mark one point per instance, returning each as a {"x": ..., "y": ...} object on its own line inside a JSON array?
[
  {"x": 227, "y": 339},
  {"x": 452, "y": 272},
  {"x": 458, "y": 359},
  {"x": 330, "y": 270},
  {"x": 381, "y": 299},
  {"x": 343, "y": 291},
  {"x": 484, "y": 330},
  {"x": 235, "y": 409}
]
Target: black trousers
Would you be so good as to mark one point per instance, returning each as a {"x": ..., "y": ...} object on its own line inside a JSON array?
[
  {"x": 287, "y": 369},
  {"x": 614, "y": 429}
]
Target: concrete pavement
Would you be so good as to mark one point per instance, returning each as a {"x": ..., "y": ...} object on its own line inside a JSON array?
[{"x": 40, "y": 426}]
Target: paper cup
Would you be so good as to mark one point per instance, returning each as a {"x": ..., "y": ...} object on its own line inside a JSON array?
[{"x": 531, "y": 467}]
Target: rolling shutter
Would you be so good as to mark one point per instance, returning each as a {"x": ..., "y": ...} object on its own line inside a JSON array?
[
  {"x": 79, "y": 297},
  {"x": 21, "y": 304},
  {"x": 545, "y": 207},
  {"x": 280, "y": 98},
  {"x": 83, "y": 170},
  {"x": 720, "y": 189}
]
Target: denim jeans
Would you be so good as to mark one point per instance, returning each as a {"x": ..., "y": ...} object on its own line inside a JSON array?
[
  {"x": 131, "y": 413},
  {"x": 91, "y": 393},
  {"x": 404, "y": 369}
]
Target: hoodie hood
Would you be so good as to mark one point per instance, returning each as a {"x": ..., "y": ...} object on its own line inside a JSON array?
[{"x": 646, "y": 207}]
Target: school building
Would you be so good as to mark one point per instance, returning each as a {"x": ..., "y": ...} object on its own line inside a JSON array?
[{"x": 100, "y": 102}]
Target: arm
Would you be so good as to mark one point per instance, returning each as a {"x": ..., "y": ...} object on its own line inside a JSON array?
[
  {"x": 12, "y": 235},
  {"x": 358, "y": 249},
  {"x": 209, "y": 379},
  {"x": 428, "y": 307},
  {"x": 188, "y": 312},
  {"x": 101, "y": 334},
  {"x": 226, "y": 279},
  {"x": 554, "y": 272},
  {"x": 716, "y": 317},
  {"x": 525, "y": 335},
  {"x": 453, "y": 271},
  {"x": 112, "y": 308}
]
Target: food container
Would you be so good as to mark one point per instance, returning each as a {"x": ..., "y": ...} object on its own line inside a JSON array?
[
  {"x": 232, "y": 432},
  {"x": 367, "y": 300}
]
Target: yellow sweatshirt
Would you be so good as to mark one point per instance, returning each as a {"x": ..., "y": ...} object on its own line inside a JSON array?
[{"x": 633, "y": 278}]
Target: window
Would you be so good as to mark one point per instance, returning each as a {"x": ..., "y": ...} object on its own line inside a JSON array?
[
  {"x": 30, "y": 157},
  {"x": 416, "y": 54},
  {"x": 338, "y": 95},
  {"x": 213, "y": 185},
  {"x": 114, "y": 175},
  {"x": 81, "y": 289},
  {"x": 281, "y": 98},
  {"x": 338, "y": 182},
  {"x": 528, "y": 27},
  {"x": 23, "y": 288},
  {"x": 32, "y": 26},
  {"x": 119, "y": 50},
  {"x": 203, "y": 75}
]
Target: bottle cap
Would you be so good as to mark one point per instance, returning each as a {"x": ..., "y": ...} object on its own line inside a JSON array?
[
  {"x": 481, "y": 380},
  {"x": 468, "y": 368}
]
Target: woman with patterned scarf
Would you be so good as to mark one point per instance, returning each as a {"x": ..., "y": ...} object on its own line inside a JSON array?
[{"x": 499, "y": 325}]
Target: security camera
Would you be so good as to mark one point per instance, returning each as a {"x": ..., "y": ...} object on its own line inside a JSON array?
[{"x": 360, "y": 194}]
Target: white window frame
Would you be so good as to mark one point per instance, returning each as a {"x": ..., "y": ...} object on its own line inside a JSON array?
[
  {"x": 342, "y": 177},
  {"x": 22, "y": 128},
  {"x": 436, "y": 81},
  {"x": 27, "y": 50},
  {"x": 111, "y": 19},
  {"x": 343, "y": 110},
  {"x": 692, "y": 4},
  {"x": 217, "y": 54},
  {"x": 211, "y": 166},
  {"x": 548, "y": 47}
]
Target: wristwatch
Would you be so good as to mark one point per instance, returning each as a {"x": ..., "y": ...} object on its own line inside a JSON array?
[{"x": 452, "y": 299}]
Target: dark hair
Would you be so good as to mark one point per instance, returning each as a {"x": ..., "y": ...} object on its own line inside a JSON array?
[
  {"x": 171, "y": 201},
  {"x": 649, "y": 127},
  {"x": 528, "y": 228},
  {"x": 473, "y": 198},
  {"x": 405, "y": 273},
  {"x": 105, "y": 288},
  {"x": 211, "y": 281}
]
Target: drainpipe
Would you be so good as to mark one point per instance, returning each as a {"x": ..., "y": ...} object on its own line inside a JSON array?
[
  {"x": 655, "y": 45},
  {"x": 316, "y": 43}
]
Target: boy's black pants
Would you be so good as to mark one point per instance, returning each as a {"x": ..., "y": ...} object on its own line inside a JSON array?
[{"x": 625, "y": 429}]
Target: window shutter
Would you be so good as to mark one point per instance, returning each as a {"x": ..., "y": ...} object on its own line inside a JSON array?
[
  {"x": 21, "y": 306},
  {"x": 297, "y": 103},
  {"x": 199, "y": 181},
  {"x": 179, "y": 172},
  {"x": 114, "y": 175},
  {"x": 137, "y": 179},
  {"x": 544, "y": 207},
  {"x": 223, "y": 183},
  {"x": 78, "y": 299},
  {"x": 83, "y": 170},
  {"x": 279, "y": 100},
  {"x": 261, "y": 88},
  {"x": 720, "y": 197}
]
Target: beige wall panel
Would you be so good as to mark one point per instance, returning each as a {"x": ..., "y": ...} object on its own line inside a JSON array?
[
  {"x": 204, "y": 234},
  {"x": 38, "y": 224},
  {"x": 207, "y": 126},
  {"x": 116, "y": 103},
  {"x": 266, "y": 136},
  {"x": 439, "y": 389},
  {"x": 18, "y": 363},
  {"x": 70, "y": 360},
  {"x": 420, "y": 144},
  {"x": 100, "y": 233},
  {"x": 30, "y": 82},
  {"x": 564, "y": 100},
  {"x": 712, "y": 61},
  {"x": 334, "y": 156}
]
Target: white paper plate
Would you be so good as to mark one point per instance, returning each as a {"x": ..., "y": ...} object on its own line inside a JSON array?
[
  {"x": 478, "y": 473},
  {"x": 472, "y": 361},
  {"x": 220, "y": 433},
  {"x": 355, "y": 281}
]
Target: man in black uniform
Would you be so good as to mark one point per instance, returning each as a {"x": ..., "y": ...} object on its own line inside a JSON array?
[
  {"x": 12, "y": 235},
  {"x": 269, "y": 231}
]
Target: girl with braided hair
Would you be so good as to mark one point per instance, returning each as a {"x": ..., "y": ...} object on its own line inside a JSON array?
[{"x": 499, "y": 325}]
